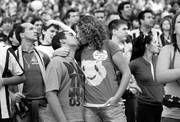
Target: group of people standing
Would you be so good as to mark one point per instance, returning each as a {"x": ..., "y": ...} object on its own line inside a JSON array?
[{"x": 83, "y": 74}]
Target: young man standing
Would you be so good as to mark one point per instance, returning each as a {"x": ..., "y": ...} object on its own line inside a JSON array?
[
  {"x": 65, "y": 81},
  {"x": 119, "y": 34},
  {"x": 146, "y": 20}
]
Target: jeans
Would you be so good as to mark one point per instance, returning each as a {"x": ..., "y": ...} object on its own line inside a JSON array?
[
  {"x": 113, "y": 113},
  {"x": 45, "y": 115},
  {"x": 149, "y": 113},
  {"x": 130, "y": 108},
  {"x": 164, "y": 119}
]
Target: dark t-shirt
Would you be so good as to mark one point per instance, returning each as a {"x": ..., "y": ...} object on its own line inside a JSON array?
[
  {"x": 152, "y": 91},
  {"x": 34, "y": 84}
]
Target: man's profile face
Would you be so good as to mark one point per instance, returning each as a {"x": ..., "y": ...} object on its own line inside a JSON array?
[
  {"x": 71, "y": 40},
  {"x": 30, "y": 32},
  {"x": 122, "y": 31}
]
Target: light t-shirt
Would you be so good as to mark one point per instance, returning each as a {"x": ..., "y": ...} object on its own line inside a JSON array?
[
  {"x": 64, "y": 75},
  {"x": 98, "y": 68}
]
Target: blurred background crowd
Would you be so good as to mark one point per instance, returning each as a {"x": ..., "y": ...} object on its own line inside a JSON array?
[{"x": 25, "y": 10}]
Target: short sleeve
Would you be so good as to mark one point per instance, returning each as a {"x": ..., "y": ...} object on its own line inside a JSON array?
[
  {"x": 113, "y": 48},
  {"x": 132, "y": 67},
  {"x": 14, "y": 67},
  {"x": 54, "y": 75}
]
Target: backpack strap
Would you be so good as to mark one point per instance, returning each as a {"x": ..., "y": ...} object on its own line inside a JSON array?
[{"x": 6, "y": 65}]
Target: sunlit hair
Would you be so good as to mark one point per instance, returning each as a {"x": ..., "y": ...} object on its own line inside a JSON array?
[
  {"x": 92, "y": 31},
  {"x": 173, "y": 35}
]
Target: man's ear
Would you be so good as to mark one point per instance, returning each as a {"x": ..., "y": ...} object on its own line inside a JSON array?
[
  {"x": 114, "y": 31},
  {"x": 22, "y": 35},
  {"x": 62, "y": 41}
]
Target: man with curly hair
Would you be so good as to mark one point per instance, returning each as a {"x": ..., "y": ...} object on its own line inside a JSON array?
[{"x": 98, "y": 58}]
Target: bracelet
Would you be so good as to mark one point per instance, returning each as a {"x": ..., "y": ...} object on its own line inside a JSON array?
[{"x": 2, "y": 82}]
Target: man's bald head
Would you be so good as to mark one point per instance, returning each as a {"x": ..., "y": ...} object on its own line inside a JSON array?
[{"x": 29, "y": 32}]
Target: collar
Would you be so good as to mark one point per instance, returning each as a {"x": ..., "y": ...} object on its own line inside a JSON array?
[
  {"x": 28, "y": 51},
  {"x": 148, "y": 34}
]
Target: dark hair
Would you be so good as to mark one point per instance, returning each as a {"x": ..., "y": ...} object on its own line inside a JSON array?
[
  {"x": 73, "y": 27},
  {"x": 142, "y": 13},
  {"x": 19, "y": 29},
  {"x": 114, "y": 24},
  {"x": 139, "y": 46},
  {"x": 174, "y": 2},
  {"x": 72, "y": 10},
  {"x": 92, "y": 31},
  {"x": 121, "y": 6},
  {"x": 13, "y": 31},
  {"x": 56, "y": 40},
  {"x": 35, "y": 19},
  {"x": 173, "y": 35}
]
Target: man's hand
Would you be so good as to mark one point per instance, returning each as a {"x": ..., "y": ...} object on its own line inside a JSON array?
[
  {"x": 63, "y": 52},
  {"x": 112, "y": 101},
  {"x": 17, "y": 97}
]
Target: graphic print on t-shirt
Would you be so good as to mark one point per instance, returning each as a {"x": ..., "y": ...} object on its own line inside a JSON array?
[
  {"x": 94, "y": 70},
  {"x": 76, "y": 93}
]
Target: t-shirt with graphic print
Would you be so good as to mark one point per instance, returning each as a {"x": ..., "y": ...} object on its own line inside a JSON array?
[
  {"x": 66, "y": 77},
  {"x": 98, "y": 67}
]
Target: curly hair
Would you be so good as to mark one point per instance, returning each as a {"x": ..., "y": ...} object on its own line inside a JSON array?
[{"x": 92, "y": 31}]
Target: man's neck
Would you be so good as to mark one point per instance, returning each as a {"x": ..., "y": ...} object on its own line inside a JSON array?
[
  {"x": 123, "y": 16},
  {"x": 145, "y": 29},
  {"x": 116, "y": 40},
  {"x": 71, "y": 54},
  {"x": 27, "y": 45},
  {"x": 148, "y": 56}
]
